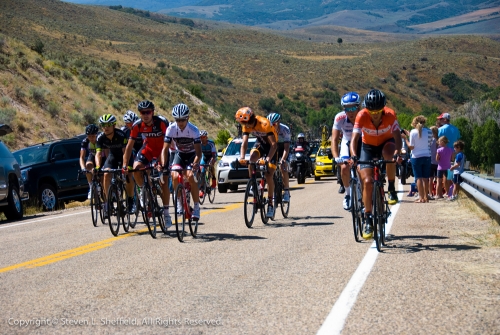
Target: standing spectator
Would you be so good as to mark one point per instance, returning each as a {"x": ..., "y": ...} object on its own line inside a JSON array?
[
  {"x": 452, "y": 134},
  {"x": 420, "y": 146},
  {"x": 443, "y": 157},
  {"x": 457, "y": 168},
  {"x": 434, "y": 163}
]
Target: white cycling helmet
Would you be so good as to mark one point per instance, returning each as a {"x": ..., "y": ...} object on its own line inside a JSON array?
[
  {"x": 130, "y": 117},
  {"x": 180, "y": 111}
]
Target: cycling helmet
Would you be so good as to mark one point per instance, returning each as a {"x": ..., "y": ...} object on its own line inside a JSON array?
[
  {"x": 374, "y": 100},
  {"x": 146, "y": 104},
  {"x": 274, "y": 117},
  {"x": 203, "y": 133},
  {"x": 107, "y": 118},
  {"x": 180, "y": 111},
  {"x": 350, "y": 98},
  {"x": 130, "y": 117},
  {"x": 244, "y": 114},
  {"x": 301, "y": 135},
  {"x": 91, "y": 129}
]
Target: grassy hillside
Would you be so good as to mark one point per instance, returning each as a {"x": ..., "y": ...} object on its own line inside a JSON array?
[{"x": 96, "y": 60}]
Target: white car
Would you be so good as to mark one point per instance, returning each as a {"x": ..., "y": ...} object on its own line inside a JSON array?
[{"x": 227, "y": 175}]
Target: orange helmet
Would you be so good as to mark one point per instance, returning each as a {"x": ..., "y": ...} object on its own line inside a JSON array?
[{"x": 243, "y": 114}]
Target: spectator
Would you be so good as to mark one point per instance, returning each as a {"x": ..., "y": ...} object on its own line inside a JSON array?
[
  {"x": 443, "y": 157},
  {"x": 420, "y": 146},
  {"x": 434, "y": 163},
  {"x": 457, "y": 168},
  {"x": 446, "y": 129}
]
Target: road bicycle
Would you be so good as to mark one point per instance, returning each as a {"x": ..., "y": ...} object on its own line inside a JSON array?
[
  {"x": 182, "y": 195},
  {"x": 205, "y": 184},
  {"x": 357, "y": 207},
  {"x": 279, "y": 191},
  {"x": 254, "y": 194},
  {"x": 96, "y": 197},
  {"x": 152, "y": 212},
  {"x": 117, "y": 202},
  {"x": 380, "y": 205}
]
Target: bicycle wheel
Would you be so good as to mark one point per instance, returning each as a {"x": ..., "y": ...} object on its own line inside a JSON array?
[
  {"x": 278, "y": 196},
  {"x": 159, "y": 211},
  {"x": 125, "y": 212},
  {"x": 203, "y": 188},
  {"x": 263, "y": 202},
  {"x": 355, "y": 210},
  {"x": 101, "y": 204},
  {"x": 149, "y": 209},
  {"x": 360, "y": 210},
  {"x": 114, "y": 209},
  {"x": 95, "y": 204},
  {"x": 250, "y": 202},
  {"x": 193, "y": 227},
  {"x": 377, "y": 217},
  {"x": 385, "y": 214},
  {"x": 211, "y": 191},
  {"x": 180, "y": 218},
  {"x": 135, "y": 215}
]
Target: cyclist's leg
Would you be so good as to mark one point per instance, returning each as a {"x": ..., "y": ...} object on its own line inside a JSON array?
[
  {"x": 388, "y": 153},
  {"x": 212, "y": 172},
  {"x": 110, "y": 163},
  {"x": 141, "y": 161},
  {"x": 89, "y": 166}
]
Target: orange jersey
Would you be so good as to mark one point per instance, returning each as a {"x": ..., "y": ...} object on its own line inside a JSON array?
[
  {"x": 372, "y": 135},
  {"x": 261, "y": 130}
]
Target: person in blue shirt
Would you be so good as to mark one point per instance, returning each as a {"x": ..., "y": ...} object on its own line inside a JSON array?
[
  {"x": 457, "y": 168},
  {"x": 209, "y": 154},
  {"x": 447, "y": 129}
]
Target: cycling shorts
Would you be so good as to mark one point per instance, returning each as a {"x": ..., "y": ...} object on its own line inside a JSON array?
[
  {"x": 183, "y": 160},
  {"x": 369, "y": 152},
  {"x": 90, "y": 158},
  {"x": 146, "y": 155},
  {"x": 263, "y": 150},
  {"x": 345, "y": 150}
]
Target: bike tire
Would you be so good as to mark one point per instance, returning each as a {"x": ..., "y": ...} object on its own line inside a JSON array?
[
  {"x": 114, "y": 212},
  {"x": 402, "y": 174},
  {"x": 250, "y": 203},
  {"x": 263, "y": 203},
  {"x": 125, "y": 214},
  {"x": 377, "y": 217},
  {"x": 95, "y": 206},
  {"x": 159, "y": 213},
  {"x": 211, "y": 192},
  {"x": 102, "y": 202},
  {"x": 193, "y": 227},
  {"x": 180, "y": 218},
  {"x": 149, "y": 210},
  {"x": 133, "y": 221},
  {"x": 355, "y": 210}
]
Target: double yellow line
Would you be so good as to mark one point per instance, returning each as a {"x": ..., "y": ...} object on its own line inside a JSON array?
[{"x": 60, "y": 256}]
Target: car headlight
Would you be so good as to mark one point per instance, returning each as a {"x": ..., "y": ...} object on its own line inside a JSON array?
[
  {"x": 223, "y": 164},
  {"x": 320, "y": 163},
  {"x": 298, "y": 154},
  {"x": 25, "y": 175},
  {"x": 403, "y": 151}
]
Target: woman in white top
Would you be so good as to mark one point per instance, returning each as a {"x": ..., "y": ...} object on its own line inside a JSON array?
[{"x": 420, "y": 139}]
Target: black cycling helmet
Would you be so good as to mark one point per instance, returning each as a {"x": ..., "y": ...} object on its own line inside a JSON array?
[
  {"x": 374, "y": 100},
  {"x": 91, "y": 129},
  {"x": 146, "y": 104}
]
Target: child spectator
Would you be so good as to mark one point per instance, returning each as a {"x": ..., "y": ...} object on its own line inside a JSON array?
[
  {"x": 434, "y": 163},
  {"x": 443, "y": 157},
  {"x": 457, "y": 168}
]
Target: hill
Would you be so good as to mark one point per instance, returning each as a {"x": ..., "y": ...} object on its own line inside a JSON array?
[{"x": 62, "y": 65}]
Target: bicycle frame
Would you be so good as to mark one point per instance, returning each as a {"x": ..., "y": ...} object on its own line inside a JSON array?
[{"x": 258, "y": 200}]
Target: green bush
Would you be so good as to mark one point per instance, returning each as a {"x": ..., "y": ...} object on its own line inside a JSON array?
[
  {"x": 76, "y": 117},
  {"x": 38, "y": 95},
  {"x": 7, "y": 115},
  {"x": 222, "y": 137},
  {"x": 257, "y": 90},
  {"x": 53, "y": 108}
]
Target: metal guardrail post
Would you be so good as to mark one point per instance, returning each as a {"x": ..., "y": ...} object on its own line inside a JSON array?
[{"x": 486, "y": 191}]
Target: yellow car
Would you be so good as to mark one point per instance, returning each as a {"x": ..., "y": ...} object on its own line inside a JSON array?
[{"x": 323, "y": 166}]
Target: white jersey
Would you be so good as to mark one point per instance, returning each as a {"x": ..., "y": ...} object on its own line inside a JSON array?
[
  {"x": 183, "y": 139},
  {"x": 343, "y": 124},
  {"x": 284, "y": 135}
]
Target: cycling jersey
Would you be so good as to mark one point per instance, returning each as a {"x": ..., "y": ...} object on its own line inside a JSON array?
[
  {"x": 137, "y": 142},
  {"x": 88, "y": 147},
  {"x": 115, "y": 144},
  {"x": 261, "y": 130},
  {"x": 343, "y": 124},
  {"x": 152, "y": 135},
  {"x": 208, "y": 150},
  {"x": 284, "y": 134},
  {"x": 372, "y": 135},
  {"x": 183, "y": 139}
]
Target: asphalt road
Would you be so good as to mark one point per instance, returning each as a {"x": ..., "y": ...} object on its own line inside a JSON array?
[{"x": 59, "y": 274}]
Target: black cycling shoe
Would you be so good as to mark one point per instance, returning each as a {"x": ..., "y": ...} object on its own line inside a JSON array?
[
  {"x": 341, "y": 189},
  {"x": 393, "y": 197},
  {"x": 368, "y": 229}
]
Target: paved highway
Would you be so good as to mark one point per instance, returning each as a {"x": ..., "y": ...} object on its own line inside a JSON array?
[{"x": 301, "y": 275}]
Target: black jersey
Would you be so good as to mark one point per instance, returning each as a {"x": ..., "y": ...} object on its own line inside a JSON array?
[
  {"x": 115, "y": 144},
  {"x": 138, "y": 142}
]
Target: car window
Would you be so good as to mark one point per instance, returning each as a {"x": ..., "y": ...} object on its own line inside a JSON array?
[
  {"x": 234, "y": 148},
  {"x": 32, "y": 155},
  {"x": 4, "y": 151},
  {"x": 73, "y": 149},
  {"x": 324, "y": 151},
  {"x": 60, "y": 149}
]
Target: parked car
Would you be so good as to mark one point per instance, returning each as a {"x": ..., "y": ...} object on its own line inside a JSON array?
[
  {"x": 12, "y": 192},
  {"x": 227, "y": 175},
  {"x": 50, "y": 172},
  {"x": 324, "y": 163}
]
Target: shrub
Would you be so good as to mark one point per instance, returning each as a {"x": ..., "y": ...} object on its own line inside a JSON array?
[
  {"x": 67, "y": 75},
  {"x": 75, "y": 117},
  {"x": 222, "y": 137},
  {"x": 39, "y": 61},
  {"x": 196, "y": 90},
  {"x": 281, "y": 95},
  {"x": 7, "y": 115},
  {"x": 53, "y": 108},
  {"x": 257, "y": 90},
  {"x": 38, "y": 95},
  {"x": 90, "y": 116},
  {"x": 19, "y": 93},
  {"x": 161, "y": 64},
  {"x": 267, "y": 104},
  {"x": 24, "y": 64},
  {"x": 38, "y": 46}
]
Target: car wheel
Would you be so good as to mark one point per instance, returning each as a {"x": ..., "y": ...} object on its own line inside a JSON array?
[
  {"x": 14, "y": 209},
  {"x": 233, "y": 187},
  {"x": 48, "y": 197},
  {"x": 317, "y": 178},
  {"x": 222, "y": 188}
]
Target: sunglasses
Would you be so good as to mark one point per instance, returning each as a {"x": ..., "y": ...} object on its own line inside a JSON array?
[
  {"x": 376, "y": 112},
  {"x": 146, "y": 112},
  {"x": 180, "y": 120},
  {"x": 106, "y": 125},
  {"x": 351, "y": 109}
]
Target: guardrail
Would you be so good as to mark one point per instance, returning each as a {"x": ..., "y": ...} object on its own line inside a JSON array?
[{"x": 486, "y": 191}]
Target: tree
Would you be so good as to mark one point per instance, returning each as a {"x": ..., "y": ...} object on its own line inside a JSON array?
[
  {"x": 267, "y": 104},
  {"x": 222, "y": 137},
  {"x": 339, "y": 41},
  {"x": 38, "y": 46},
  {"x": 485, "y": 144}
]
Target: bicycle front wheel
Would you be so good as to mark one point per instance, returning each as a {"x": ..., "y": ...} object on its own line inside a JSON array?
[
  {"x": 355, "y": 210},
  {"x": 125, "y": 211},
  {"x": 95, "y": 205},
  {"x": 180, "y": 213},
  {"x": 378, "y": 221},
  {"x": 114, "y": 209},
  {"x": 193, "y": 227},
  {"x": 250, "y": 202},
  {"x": 264, "y": 204},
  {"x": 211, "y": 191},
  {"x": 149, "y": 209}
]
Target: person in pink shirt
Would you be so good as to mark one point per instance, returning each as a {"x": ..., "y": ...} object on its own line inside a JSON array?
[{"x": 443, "y": 157}]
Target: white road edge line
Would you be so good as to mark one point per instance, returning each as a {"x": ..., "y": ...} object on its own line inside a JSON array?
[
  {"x": 51, "y": 217},
  {"x": 335, "y": 321}
]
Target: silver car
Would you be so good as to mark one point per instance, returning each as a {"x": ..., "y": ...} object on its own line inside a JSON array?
[{"x": 227, "y": 175}]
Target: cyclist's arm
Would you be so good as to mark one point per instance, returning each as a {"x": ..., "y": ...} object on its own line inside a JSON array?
[
  {"x": 244, "y": 145},
  {"x": 274, "y": 145},
  {"x": 286, "y": 151},
  {"x": 397, "y": 137},
  {"x": 82, "y": 159},
  {"x": 164, "y": 154},
  {"x": 335, "y": 140},
  {"x": 354, "y": 143},
  {"x": 98, "y": 158},
  {"x": 197, "y": 149},
  {"x": 128, "y": 151}
]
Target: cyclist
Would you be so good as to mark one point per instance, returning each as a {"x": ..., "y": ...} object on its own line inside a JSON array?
[
  {"x": 284, "y": 137},
  {"x": 343, "y": 125},
  {"x": 186, "y": 138},
  {"x": 209, "y": 152},
  {"x": 87, "y": 152},
  {"x": 150, "y": 129},
  {"x": 381, "y": 136},
  {"x": 114, "y": 141},
  {"x": 130, "y": 118},
  {"x": 265, "y": 146}
]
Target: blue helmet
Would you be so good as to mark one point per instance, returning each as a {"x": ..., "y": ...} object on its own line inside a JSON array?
[
  {"x": 274, "y": 117},
  {"x": 350, "y": 98}
]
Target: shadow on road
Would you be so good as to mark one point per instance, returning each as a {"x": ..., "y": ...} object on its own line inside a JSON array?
[
  {"x": 298, "y": 221},
  {"x": 409, "y": 244},
  {"x": 223, "y": 237}
]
